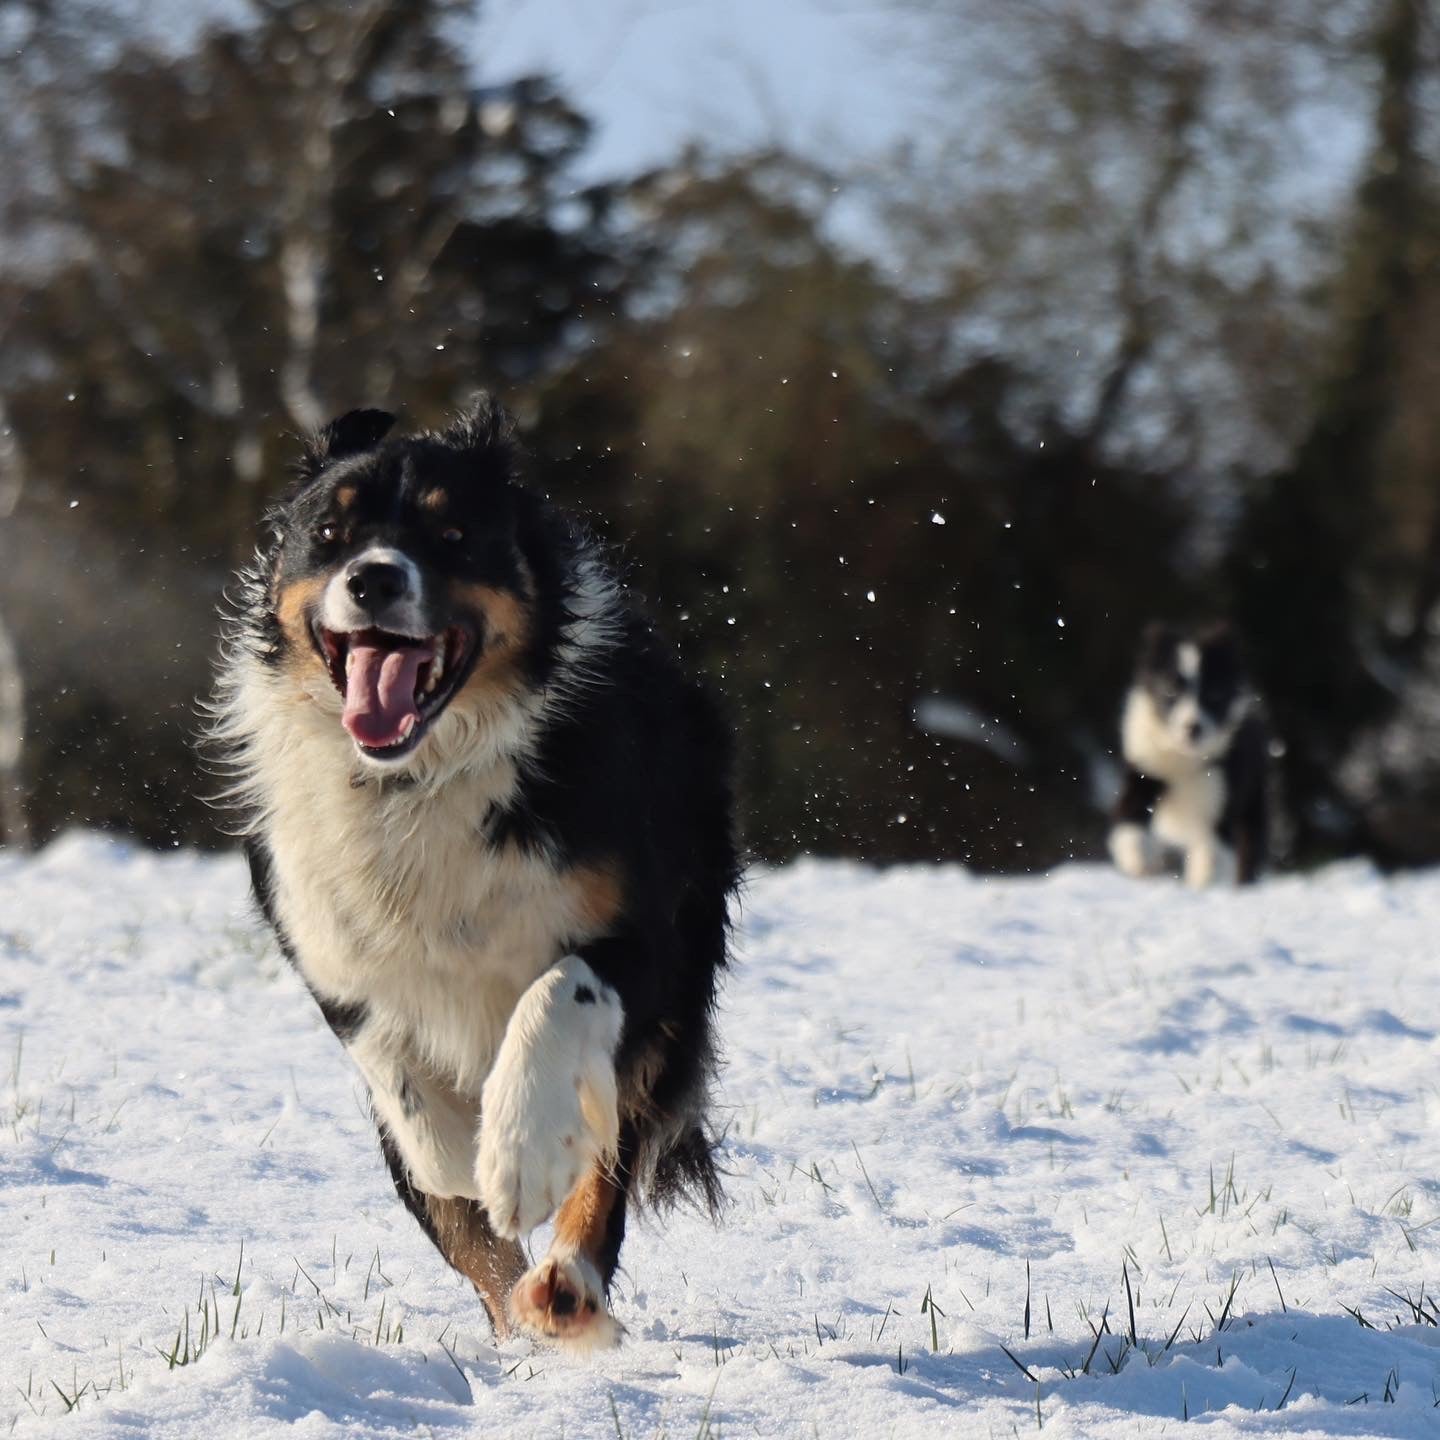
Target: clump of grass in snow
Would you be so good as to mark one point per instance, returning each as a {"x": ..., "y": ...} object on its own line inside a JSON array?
[
  {"x": 208, "y": 1320},
  {"x": 1418, "y": 1309},
  {"x": 704, "y": 1430}
]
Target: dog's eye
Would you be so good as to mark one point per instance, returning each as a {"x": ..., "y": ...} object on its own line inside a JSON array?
[
  {"x": 327, "y": 534},
  {"x": 452, "y": 535}
]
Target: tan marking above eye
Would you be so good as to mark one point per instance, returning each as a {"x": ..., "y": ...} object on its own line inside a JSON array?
[
  {"x": 345, "y": 496},
  {"x": 435, "y": 500}
]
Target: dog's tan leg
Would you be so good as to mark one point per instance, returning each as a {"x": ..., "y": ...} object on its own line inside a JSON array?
[
  {"x": 563, "y": 1297},
  {"x": 467, "y": 1241}
]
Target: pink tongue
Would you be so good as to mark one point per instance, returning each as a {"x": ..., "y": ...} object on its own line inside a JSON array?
[{"x": 380, "y": 693}]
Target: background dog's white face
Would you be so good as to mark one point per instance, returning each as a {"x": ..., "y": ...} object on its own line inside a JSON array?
[{"x": 1193, "y": 691}]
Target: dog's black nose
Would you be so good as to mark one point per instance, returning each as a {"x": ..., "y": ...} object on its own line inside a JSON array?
[
  {"x": 1196, "y": 730},
  {"x": 376, "y": 584}
]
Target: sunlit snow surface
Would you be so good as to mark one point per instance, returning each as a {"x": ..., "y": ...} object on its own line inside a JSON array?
[{"x": 933, "y": 1079}]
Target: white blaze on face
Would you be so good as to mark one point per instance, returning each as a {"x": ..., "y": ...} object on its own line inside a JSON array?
[
  {"x": 340, "y": 613},
  {"x": 386, "y": 676},
  {"x": 1188, "y": 725}
]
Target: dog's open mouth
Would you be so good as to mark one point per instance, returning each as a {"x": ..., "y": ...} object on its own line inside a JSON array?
[{"x": 394, "y": 686}]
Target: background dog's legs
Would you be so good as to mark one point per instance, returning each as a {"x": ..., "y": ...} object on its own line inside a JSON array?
[
  {"x": 1251, "y": 836},
  {"x": 1134, "y": 850},
  {"x": 1249, "y": 856},
  {"x": 564, "y": 1297},
  {"x": 1209, "y": 862}
]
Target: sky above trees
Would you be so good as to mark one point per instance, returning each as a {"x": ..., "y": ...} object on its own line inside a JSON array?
[{"x": 820, "y": 77}]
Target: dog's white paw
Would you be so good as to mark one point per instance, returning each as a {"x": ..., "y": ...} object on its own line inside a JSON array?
[
  {"x": 563, "y": 1299},
  {"x": 535, "y": 1144},
  {"x": 1209, "y": 864},
  {"x": 1134, "y": 850},
  {"x": 548, "y": 1111}
]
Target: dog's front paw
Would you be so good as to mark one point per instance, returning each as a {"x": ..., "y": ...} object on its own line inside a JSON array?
[
  {"x": 563, "y": 1300},
  {"x": 533, "y": 1149},
  {"x": 544, "y": 1120},
  {"x": 548, "y": 1110},
  {"x": 1134, "y": 851},
  {"x": 1209, "y": 864}
]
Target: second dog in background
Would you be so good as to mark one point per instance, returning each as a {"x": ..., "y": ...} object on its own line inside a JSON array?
[{"x": 1196, "y": 760}]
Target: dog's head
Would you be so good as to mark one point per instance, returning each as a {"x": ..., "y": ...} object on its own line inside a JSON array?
[
  {"x": 1194, "y": 685},
  {"x": 403, "y": 583}
]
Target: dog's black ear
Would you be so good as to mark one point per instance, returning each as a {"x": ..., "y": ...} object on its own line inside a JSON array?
[
  {"x": 486, "y": 429},
  {"x": 353, "y": 432},
  {"x": 1221, "y": 644},
  {"x": 1157, "y": 644}
]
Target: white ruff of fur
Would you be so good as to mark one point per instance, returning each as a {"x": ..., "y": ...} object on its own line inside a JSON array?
[
  {"x": 549, "y": 1107},
  {"x": 1160, "y": 750}
]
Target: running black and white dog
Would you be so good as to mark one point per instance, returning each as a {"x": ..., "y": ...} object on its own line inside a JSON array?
[
  {"x": 1196, "y": 761},
  {"x": 489, "y": 820}
]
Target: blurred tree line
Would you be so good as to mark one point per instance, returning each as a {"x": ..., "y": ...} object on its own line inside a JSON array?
[{"x": 907, "y": 486}]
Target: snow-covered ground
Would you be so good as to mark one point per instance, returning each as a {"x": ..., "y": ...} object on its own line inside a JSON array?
[{"x": 964, "y": 1113}]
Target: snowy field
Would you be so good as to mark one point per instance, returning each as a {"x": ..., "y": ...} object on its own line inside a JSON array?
[{"x": 1069, "y": 1152}]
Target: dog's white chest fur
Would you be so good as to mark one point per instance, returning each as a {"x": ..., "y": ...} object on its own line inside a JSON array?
[
  {"x": 392, "y": 898},
  {"x": 1189, "y": 810}
]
